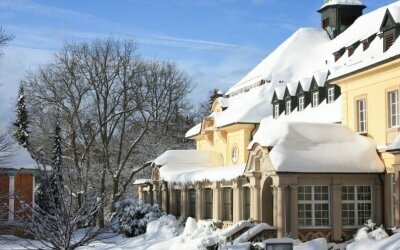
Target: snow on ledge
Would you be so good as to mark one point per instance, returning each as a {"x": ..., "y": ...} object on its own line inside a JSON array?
[
  {"x": 141, "y": 181},
  {"x": 317, "y": 148},
  {"x": 341, "y": 2}
]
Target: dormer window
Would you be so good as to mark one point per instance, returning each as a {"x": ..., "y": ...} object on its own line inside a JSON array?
[
  {"x": 331, "y": 95},
  {"x": 350, "y": 51},
  {"x": 325, "y": 23},
  {"x": 288, "y": 107},
  {"x": 301, "y": 103},
  {"x": 338, "y": 54},
  {"x": 315, "y": 99},
  {"x": 276, "y": 111}
]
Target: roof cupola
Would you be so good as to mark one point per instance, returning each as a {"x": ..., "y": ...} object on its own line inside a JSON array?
[{"x": 338, "y": 15}]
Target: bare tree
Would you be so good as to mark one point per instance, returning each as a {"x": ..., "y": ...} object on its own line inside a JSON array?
[
  {"x": 7, "y": 149},
  {"x": 110, "y": 102},
  {"x": 5, "y": 38}
]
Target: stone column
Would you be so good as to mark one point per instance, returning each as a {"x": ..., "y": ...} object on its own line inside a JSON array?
[
  {"x": 33, "y": 190},
  {"x": 275, "y": 204},
  {"x": 255, "y": 192},
  {"x": 237, "y": 202},
  {"x": 156, "y": 193},
  {"x": 217, "y": 202},
  {"x": 294, "y": 220},
  {"x": 184, "y": 202},
  {"x": 378, "y": 204},
  {"x": 11, "y": 193},
  {"x": 140, "y": 193},
  {"x": 172, "y": 201},
  {"x": 336, "y": 213},
  {"x": 281, "y": 211},
  {"x": 199, "y": 201},
  {"x": 165, "y": 197}
]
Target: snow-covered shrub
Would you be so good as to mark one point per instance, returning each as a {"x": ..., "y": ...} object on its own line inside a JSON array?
[
  {"x": 134, "y": 215},
  {"x": 371, "y": 231},
  {"x": 168, "y": 226}
]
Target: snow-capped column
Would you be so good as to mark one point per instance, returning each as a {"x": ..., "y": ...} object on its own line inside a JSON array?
[
  {"x": 294, "y": 222},
  {"x": 217, "y": 202},
  {"x": 11, "y": 191},
  {"x": 281, "y": 211},
  {"x": 256, "y": 198},
  {"x": 336, "y": 212}
]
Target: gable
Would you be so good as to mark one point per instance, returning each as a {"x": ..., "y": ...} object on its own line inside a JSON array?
[
  {"x": 274, "y": 98},
  {"x": 287, "y": 94},
  {"x": 299, "y": 90},
  {"x": 314, "y": 85},
  {"x": 388, "y": 22}
]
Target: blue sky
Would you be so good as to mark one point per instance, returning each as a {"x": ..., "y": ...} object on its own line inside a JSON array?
[{"x": 215, "y": 41}]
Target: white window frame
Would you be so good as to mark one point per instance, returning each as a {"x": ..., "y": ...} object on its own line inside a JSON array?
[
  {"x": 361, "y": 105},
  {"x": 288, "y": 107},
  {"x": 313, "y": 202},
  {"x": 331, "y": 95},
  {"x": 301, "y": 103},
  {"x": 315, "y": 99},
  {"x": 356, "y": 202},
  {"x": 393, "y": 98},
  {"x": 276, "y": 111}
]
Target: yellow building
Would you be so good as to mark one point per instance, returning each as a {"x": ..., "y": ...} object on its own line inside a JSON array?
[{"x": 307, "y": 141}]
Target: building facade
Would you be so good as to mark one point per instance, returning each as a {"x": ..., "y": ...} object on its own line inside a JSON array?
[{"x": 310, "y": 147}]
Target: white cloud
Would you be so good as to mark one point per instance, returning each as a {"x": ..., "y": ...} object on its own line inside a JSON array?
[{"x": 31, "y": 7}]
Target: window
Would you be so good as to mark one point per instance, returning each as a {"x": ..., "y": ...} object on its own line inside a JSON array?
[
  {"x": 208, "y": 195},
  {"x": 393, "y": 108},
  {"x": 288, "y": 107},
  {"x": 276, "y": 111},
  {"x": 227, "y": 209},
  {"x": 315, "y": 99},
  {"x": 192, "y": 203},
  {"x": 389, "y": 40},
  {"x": 178, "y": 202},
  {"x": 356, "y": 205},
  {"x": 325, "y": 23},
  {"x": 361, "y": 116},
  {"x": 246, "y": 203},
  {"x": 331, "y": 94},
  {"x": 235, "y": 154},
  {"x": 313, "y": 207},
  {"x": 301, "y": 103}
]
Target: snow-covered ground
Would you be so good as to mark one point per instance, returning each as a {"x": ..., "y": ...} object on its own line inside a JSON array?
[{"x": 169, "y": 233}]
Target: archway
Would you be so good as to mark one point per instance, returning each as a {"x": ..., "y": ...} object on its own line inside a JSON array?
[{"x": 267, "y": 202}]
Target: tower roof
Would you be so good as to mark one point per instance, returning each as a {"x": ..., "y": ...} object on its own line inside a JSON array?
[{"x": 341, "y": 2}]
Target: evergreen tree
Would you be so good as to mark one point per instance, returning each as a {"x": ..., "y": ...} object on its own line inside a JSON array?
[{"x": 21, "y": 132}]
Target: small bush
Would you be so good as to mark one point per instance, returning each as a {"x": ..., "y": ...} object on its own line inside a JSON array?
[{"x": 134, "y": 215}]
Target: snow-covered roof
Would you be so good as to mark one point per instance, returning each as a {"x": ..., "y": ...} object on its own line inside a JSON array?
[
  {"x": 324, "y": 113},
  {"x": 190, "y": 166},
  {"x": 287, "y": 61},
  {"x": 341, "y": 2},
  {"x": 248, "y": 107},
  {"x": 292, "y": 87},
  {"x": 193, "y": 131},
  {"x": 20, "y": 158},
  {"x": 317, "y": 148}
]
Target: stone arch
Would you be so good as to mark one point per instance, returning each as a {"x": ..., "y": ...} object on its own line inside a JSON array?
[{"x": 267, "y": 202}]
